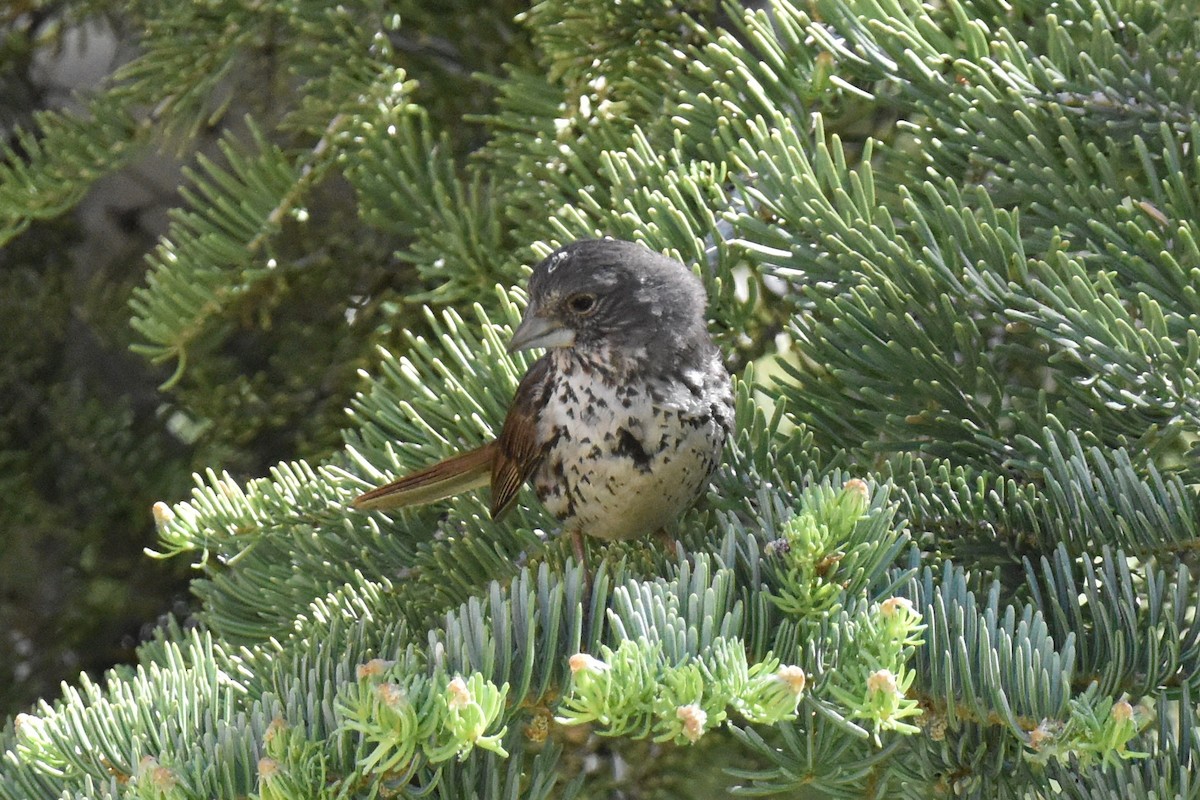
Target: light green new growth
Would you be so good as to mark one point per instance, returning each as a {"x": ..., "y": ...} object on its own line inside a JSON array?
[
  {"x": 877, "y": 688},
  {"x": 831, "y": 550},
  {"x": 442, "y": 719},
  {"x": 633, "y": 691}
]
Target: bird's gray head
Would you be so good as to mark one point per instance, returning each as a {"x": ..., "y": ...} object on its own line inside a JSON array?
[{"x": 607, "y": 293}]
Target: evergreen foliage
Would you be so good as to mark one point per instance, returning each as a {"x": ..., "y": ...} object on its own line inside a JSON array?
[{"x": 952, "y": 252}]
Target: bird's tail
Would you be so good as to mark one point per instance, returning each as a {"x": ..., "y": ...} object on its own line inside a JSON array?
[{"x": 455, "y": 475}]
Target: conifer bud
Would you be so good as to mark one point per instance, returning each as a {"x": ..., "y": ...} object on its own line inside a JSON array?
[
  {"x": 882, "y": 682},
  {"x": 278, "y": 724},
  {"x": 538, "y": 728},
  {"x": 1046, "y": 732},
  {"x": 460, "y": 696},
  {"x": 390, "y": 694},
  {"x": 894, "y": 605},
  {"x": 373, "y": 668},
  {"x": 163, "y": 515},
  {"x": 585, "y": 663},
  {"x": 856, "y": 496},
  {"x": 793, "y": 676},
  {"x": 694, "y": 719},
  {"x": 857, "y": 486}
]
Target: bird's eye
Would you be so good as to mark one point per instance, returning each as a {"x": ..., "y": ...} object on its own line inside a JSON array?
[{"x": 582, "y": 303}]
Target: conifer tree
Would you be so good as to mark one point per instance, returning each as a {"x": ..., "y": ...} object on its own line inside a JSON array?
[{"x": 951, "y": 251}]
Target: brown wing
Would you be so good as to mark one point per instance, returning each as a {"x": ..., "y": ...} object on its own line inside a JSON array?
[{"x": 520, "y": 448}]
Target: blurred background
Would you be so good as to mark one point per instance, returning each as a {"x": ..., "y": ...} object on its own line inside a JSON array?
[{"x": 88, "y": 439}]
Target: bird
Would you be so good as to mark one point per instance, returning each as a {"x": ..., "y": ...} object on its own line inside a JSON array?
[{"x": 621, "y": 423}]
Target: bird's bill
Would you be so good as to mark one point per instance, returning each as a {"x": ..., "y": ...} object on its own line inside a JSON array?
[{"x": 537, "y": 331}]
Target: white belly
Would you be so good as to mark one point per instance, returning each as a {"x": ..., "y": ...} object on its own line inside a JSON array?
[{"x": 625, "y": 460}]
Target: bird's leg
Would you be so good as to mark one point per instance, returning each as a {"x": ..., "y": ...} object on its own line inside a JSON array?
[
  {"x": 578, "y": 547},
  {"x": 669, "y": 543}
]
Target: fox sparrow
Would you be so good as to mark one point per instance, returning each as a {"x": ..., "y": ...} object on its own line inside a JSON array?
[{"x": 620, "y": 424}]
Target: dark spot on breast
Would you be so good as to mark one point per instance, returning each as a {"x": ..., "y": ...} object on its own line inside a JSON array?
[{"x": 629, "y": 446}]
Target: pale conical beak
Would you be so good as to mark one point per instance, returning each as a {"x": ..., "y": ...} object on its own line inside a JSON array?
[{"x": 537, "y": 331}]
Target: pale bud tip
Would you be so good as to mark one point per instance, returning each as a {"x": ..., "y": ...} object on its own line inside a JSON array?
[
  {"x": 859, "y": 487},
  {"x": 894, "y": 605},
  {"x": 694, "y": 718},
  {"x": 882, "y": 682},
  {"x": 389, "y": 694},
  {"x": 793, "y": 676},
  {"x": 163, "y": 515},
  {"x": 585, "y": 663},
  {"x": 1042, "y": 735},
  {"x": 373, "y": 668},
  {"x": 460, "y": 696},
  {"x": 278, "y": 724}
]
